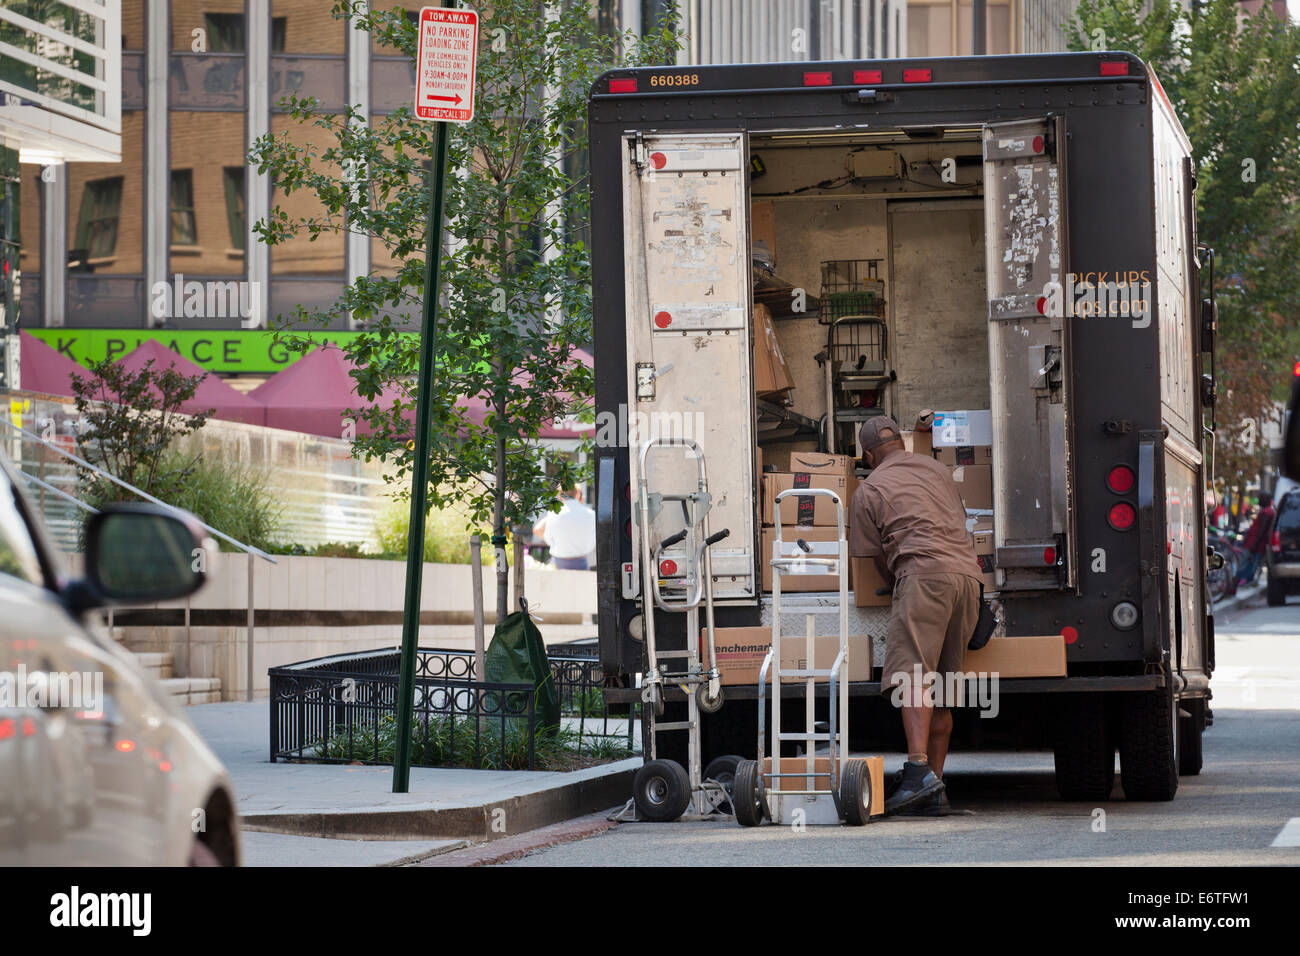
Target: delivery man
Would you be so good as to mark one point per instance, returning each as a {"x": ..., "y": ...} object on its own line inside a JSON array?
[{"x": 908, "y": 517}]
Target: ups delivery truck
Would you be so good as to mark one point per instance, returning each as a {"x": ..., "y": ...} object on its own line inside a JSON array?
[{"x": 1015, "y": 239}]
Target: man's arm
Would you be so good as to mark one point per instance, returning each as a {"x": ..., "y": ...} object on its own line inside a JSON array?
[{"x": 882, "y": 568}]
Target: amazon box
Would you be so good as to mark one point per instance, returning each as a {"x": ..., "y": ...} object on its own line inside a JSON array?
[
  {"x": 805, "y": 510},
  {"x": 824, "y": 542},
  {"x": 1019, "y": 657},
  {"x": 820, "y": 463},
  {"x": 866, "y": 582},
  {"x": 975, "y": 483},
  {"x": 741, "y": 651}
]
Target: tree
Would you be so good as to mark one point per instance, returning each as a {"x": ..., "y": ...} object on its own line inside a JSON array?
[
  {"x": 516, "y": 278},
  {"x": 1235, "y": 85},
  {"x": 127, "y": 421}
]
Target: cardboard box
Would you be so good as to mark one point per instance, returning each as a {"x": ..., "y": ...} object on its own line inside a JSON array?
[
  {"x": 771, "y": 375},
  {"x": 875, "y": 773},
  {"x": 800, "y": 582},
  {"x": 817, "y": 462},
  {"x": 919, "y": 442},
  {"x": 1019, "y": 657},
  {"x": 762, "y": 223},
  {"x": 953, "y": 455},
  {"x": 975, "y": 483},
  {"x": 971, "y": 426},
  {"x": 741, "y": 651},
  {"x": 804, "y": 510},
  {"x": 866, "y": 581}
]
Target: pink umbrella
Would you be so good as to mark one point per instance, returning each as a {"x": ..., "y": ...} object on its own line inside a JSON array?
[
  {"x": 45, "y": 369},
  {"x": 315, "y": 394},
  {"x": 212, "y": 393}
]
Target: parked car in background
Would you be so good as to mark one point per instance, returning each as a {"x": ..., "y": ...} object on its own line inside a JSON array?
[
  {"x": 1283, "y": 554},
  {"x": 98, "y": 764}
]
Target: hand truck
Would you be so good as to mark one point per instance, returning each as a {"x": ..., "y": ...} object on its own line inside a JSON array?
[
  {"x": 757, "y": 790},
  {"x": 664, "y": 789}
]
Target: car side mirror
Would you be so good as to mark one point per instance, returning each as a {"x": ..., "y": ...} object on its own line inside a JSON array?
[
  {"x": 1214, "y": 559},
  {"x": 139, "y": 554}
]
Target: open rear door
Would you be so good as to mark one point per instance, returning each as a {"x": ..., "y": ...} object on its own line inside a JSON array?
[
  {"x": 690, "y": 353},
  {"x": 1029, "y": 353}
]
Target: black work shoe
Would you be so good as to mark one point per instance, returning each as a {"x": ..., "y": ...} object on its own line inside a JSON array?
[
  {"x": 892, "y": 783},
  {"x": 935, "y": 805},
  {"x": 918, "y": 782}
]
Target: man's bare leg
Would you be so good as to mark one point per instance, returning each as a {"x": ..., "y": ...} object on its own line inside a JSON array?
[
  {"x": 940, "y": 732},
  {"x": 917, "y": 727}
]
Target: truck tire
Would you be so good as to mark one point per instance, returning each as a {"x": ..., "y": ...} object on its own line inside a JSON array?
[
  {"x": 1190, "y": 729},
  {"x": 1148, "y": 744},
  {"x": 662, "y": 791},
  {"x": 1084, "y": 750},
  {"x": 747, "y": 794},
  {"x": 1276, "y": 591}
]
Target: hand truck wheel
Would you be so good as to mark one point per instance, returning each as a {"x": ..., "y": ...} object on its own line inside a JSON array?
[
  {"x": 855, "y": 793},
  {"x": 747, "y": 795},
  {"x": 723, "y": 770},
  {"x": 662, "y": 790},
  {"x": 710, "y": 705}
]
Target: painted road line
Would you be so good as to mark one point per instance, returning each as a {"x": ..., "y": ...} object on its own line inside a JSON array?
[{"x": 1290, "y": 835}]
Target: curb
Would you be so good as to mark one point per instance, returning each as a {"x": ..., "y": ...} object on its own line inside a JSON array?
[
  {"x": 520, "y": 845},
  {"x": 518, "y": 814}
]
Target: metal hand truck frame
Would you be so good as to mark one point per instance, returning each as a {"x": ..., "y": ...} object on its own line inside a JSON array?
[{"x": 757, "y": 791}]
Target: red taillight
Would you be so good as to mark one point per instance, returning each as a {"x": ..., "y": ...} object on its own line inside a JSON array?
[
  {"x": 126, "y": 746},
  {"x": 6, "y": 728},
  {"x": 1121, "y": 479},
  {"x": 916, "y": 76},
  {"x": 1275, "y": 542},
  {"x": 29, "y": 727},
  {"x": 622, "y": 86},
  {"x": 1296, "y": 371},
  {"x": 868, "y": 76},
  {"x": 1114, "y": 67},
  {"x": 1121, "y": 516},
  {"x": 667, "y": 567},
  {"x": 816, "y": 79}
]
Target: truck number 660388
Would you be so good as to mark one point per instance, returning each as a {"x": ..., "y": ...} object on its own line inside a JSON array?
[{"x": 676, "y": 79}]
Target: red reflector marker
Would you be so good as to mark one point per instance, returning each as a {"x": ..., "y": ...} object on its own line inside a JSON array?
[
  {"x": 1121, "y": 516},
  {"x": 868, "y": 76},
  {"x": 1114, "y": 67},
  {"x": 1042, "y": 305},
  {"x": 916, "y": 76},
  {"x": 1049, "y": 556},
  {"x": 663, "y": 320},
  {"x": 1038, "y": 144},
  {"x": 658, "y": 160},
  {"x": 667, "y": 567},
  {"x": 816, "y": 79},
  {"x": 1070, "y": 634},
  {"x": 622, "y": 86},
  {"x": 1120, "y": 479}
]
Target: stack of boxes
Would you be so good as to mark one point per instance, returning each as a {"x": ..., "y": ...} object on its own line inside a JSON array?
[
  {"x": 963, "y": 441},
  {"x": 810, "y": 517}
]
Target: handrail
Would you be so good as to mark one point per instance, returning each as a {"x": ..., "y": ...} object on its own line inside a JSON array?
[
  {"x": 60, "y": 492},
  {"x": 246, "y": 548}
]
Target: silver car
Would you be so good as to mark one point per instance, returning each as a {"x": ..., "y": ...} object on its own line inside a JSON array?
[{"x": 98, "y": 764}]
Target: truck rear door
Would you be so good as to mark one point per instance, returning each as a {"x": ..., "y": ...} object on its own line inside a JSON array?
[
  {"x": 1029, "y": 353},
  {"x": 690, "y": 353}
]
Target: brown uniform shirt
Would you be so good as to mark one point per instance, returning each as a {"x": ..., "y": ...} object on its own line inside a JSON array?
[{"x": 908, "y": 510}]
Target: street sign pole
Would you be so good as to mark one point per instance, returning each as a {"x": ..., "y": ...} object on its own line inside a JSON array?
[{"x": 442, "y": 75}]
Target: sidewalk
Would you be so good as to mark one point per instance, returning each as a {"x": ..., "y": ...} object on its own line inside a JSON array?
[{"x": 443, "y": 808}]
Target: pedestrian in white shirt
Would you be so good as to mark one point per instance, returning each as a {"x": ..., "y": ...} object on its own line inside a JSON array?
[{"x": 570, "y": 533}]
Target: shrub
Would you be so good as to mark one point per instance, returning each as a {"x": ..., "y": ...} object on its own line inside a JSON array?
[{"x": 446, "y": 534}]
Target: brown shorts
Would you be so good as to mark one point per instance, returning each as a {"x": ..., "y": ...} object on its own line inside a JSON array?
[{"x": 933, "y": 618}]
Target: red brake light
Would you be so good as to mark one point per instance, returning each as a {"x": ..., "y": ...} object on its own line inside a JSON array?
[
  {"x": 1114, "y": 67},
  {"x": 622, "y": 86},
  {"x": 1296, "y": 371},
  {"x": 1121, "y": 516},
  {"x": 916, "y": 76},
  {"x": 29, "y": 727},
  {"x": 868, "y": 76},
  {"x": 816, "y": 79},
  {"x": 6, "y": 728},
  {"x": 1121, "y": 479},
  {"x": 126, "y": 746}
]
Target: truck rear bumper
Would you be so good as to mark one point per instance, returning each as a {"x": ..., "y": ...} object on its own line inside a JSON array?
[{"x": 1010, "y": 685}]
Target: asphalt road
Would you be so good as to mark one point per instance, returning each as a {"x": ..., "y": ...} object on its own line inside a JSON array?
[{"x": 1234, "y": 813}]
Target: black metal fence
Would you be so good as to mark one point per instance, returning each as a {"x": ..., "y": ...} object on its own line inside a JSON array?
[{"x": 342, "y": 709}]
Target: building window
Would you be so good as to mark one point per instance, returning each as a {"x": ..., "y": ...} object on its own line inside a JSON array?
[
  {"x": 234, "y": 181},
  {"x": 279, "y": 26},
  {"x": 225, "y": 32},
  {"x": 101, "y": 206},
  {"x": 183, "y": 229}
]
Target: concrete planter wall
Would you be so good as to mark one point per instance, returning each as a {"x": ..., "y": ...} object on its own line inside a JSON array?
[{"x": 309, "y": 607}]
